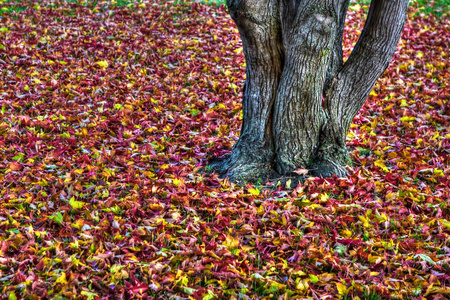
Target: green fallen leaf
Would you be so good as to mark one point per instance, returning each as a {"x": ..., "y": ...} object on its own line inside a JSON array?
[
  {"x": 75, "y": 204},
  {"x": 12, "y": 296},
  {"x": 189, "y": 291},
  {"x": 58, "y": 218},
  {"x": 209, "y": 296},
  {"x": 425, "y": 258},
  {"x": 288, "y": 184},
  {"x": 313, "y": 278}
]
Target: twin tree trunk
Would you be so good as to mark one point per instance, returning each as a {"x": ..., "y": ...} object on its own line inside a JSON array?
[{"x": 299, "y": 97}]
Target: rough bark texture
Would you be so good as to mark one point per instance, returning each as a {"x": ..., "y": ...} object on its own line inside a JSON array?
[
  {"x": 299, "y": 97},
  {"x": 259, "y": 26}
]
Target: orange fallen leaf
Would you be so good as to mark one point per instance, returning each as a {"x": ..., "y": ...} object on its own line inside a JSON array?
[{"x": 15, "y": 166}]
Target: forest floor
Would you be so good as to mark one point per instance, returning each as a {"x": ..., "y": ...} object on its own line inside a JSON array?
[{"x": 107, "y": 115}]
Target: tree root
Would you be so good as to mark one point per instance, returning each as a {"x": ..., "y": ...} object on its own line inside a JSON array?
[
  {"x": 243, "y": 166},
  {"x": 247, "y": 165},
  {"x": 326, "y": 168}
]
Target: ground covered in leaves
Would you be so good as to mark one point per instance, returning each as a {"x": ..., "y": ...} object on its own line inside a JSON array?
[{"x": 109, "y": 112}]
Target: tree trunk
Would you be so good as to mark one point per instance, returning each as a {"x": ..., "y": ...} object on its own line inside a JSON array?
[{"x": 299, "y": 97}]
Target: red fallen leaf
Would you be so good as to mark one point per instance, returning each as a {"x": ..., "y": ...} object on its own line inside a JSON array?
[
  {"x": 349, "y": 242},
  {"x": 301, "y": 171},
  {"x": 348, "y": 219},
  {"x": 139, "y": 289},
  {"x": 303, "y": 243},
  {"x": 4, "y": 247},
  {"x": 19, "y": 277},
  {"x": 15, "y": 166},
  {"x": 24, "y": 120},
  {"x": 40, "y": 265}
]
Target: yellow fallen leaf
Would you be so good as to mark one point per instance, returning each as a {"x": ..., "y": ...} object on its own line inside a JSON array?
[
  {"x": 254, "y": 192},
  {"x": 103, "y": 64},
  {"x": 231, "y": 242},
  {"x": 356, "y": 7},
  {"x": 177, "y": 182},
  {"x": 342, "y": 289},
  {"x": 364, "y": 220},
  {"x": 438, "y": 173},
  {"x": 302, "y": 285},
  {"x": 75, "y": 204},
  {"x": 324, "y": 197},
  {"x": 326, "y": 277},
  {"x": 445, "y": 223},
  {"x": 346, "y": 233},
  {"x": 62, "y": 279},
  {"x": 407, "y": 119},
  {"x": 379, "y": 163}
]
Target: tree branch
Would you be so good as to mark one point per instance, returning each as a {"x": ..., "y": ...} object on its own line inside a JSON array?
[{"x": 368, "y": 60}]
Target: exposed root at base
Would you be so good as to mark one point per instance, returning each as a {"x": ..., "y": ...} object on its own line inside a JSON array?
[
  {"x": 243, "y": 169},
  {"x": 327, "y": 168}
]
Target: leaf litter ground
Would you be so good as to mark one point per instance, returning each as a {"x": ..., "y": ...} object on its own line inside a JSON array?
[{"x": 107, "y": 115}]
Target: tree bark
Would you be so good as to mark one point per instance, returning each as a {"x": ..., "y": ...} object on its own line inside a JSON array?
[
  {"x": 355, "y": 79},
  {"x": 299, "y": 97},
  {"x": 309, "y": 31},
  {"x": 260, "y": 29}
]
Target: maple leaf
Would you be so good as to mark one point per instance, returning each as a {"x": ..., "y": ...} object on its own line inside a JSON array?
[
  {"x": 254, "y": 192},
  {"x": 62, "y": 279},
  {"x": 103, "y": 64},
  {"x": 342, "y": 289},
  {"x": 75, "y": 204},
  {"x": 15, "y": 166},
  {"x": 301, "y": 171},
  {"x": 231, "y": 242}
]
